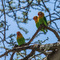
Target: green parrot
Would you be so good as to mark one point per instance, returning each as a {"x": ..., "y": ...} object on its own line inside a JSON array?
[
  {"x": 20, "y": 39},
  {"x": 36, "y": 19},
  {"x": 42, "y": 20}
]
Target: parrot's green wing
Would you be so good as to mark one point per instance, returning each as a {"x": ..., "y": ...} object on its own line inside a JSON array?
[
  {"x": 37, "y": 24},
  {"x": 45, "y": 21},
  {"x": 21, "y": 41}
]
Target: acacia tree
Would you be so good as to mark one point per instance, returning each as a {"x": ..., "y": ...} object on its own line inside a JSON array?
[{"x": 20, "y": 11}]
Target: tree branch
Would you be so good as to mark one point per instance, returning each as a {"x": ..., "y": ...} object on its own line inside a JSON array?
[
  {"x": 35, "y": 34},
  {"x": 56, "y": 34},
  {"x": 32, "y": 52},
  {"x": 36, "y": 47},
  {"x": 12, "y": 56}
]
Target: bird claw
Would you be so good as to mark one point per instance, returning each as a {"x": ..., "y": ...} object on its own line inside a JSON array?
[{"x": 16, "y": 45}]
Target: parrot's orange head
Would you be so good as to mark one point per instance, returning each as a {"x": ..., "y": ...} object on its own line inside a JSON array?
[
  {"x": 35, "y": 18},
  {"x": 18, "y": 33},
  {"x": 40, "y": 14}
]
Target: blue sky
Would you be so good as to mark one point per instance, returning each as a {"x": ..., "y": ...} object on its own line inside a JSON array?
[{"x": 31, "y": 27}]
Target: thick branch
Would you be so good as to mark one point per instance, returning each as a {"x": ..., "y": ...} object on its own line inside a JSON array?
[
  {"x": 37, "y": 47},
  {"x": 56, "y": 34},
  {"x": 35, "y": 34}
]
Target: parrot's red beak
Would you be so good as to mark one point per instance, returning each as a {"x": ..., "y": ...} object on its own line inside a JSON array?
[
  {"x": 34, "y": 18},
  {"x": 38, "y": 13}
]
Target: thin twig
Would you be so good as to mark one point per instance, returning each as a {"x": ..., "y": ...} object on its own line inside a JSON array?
[
  {"x": 32, "y": 52},
  {"x": 12, "y": 56},
  {"x": 3, "y": 4}
]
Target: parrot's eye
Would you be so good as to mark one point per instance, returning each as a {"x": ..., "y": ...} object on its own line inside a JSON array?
[
  {"x": 40, "y": 13},
  {"x": 36, "y": 17}
]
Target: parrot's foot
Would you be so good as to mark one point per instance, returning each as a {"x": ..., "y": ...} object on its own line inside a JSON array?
[
  {"x": 16, "y": 45},
  {"x": 45, "y": 32}
]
